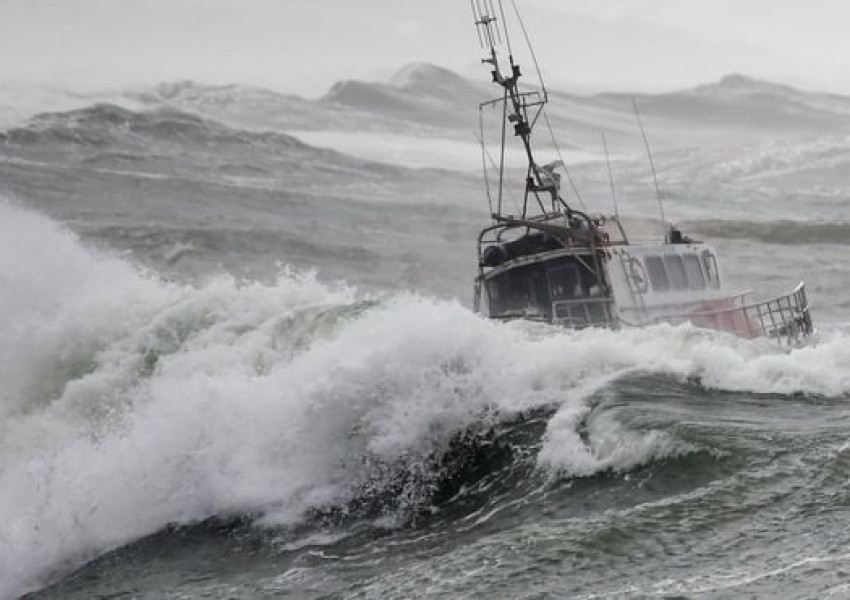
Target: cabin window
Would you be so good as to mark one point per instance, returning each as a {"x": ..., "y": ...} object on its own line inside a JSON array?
[
  {"x": 657, "y": 274},
  {"x": 522, "y": 289},
  {"x": 676, "y": 272},
  {"x": 712, "y": 274},
  {"x": 564, "y": 283},
  {"x": 696, "y": 280}
]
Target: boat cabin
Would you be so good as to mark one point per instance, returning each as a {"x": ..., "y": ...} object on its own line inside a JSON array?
[
  {"x": 564, "y": 277},
  {"x": 556, "y": 275}
]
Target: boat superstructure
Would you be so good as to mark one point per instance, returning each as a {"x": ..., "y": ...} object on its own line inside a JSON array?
[{"x": 553, "y": 263}]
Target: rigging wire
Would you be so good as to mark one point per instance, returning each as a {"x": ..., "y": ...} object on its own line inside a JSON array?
[
  {"x": 545, "y": 91},
  {"x": 505, "y": 27},
  {"x": 502, "y": 158},
  {"x": 480, "y": 136},
  {"x": 477, "y": 28},
  {"x": 493, "y": 164},
  {"x": 563, "y": 163},
  {"x": 530, "y": 49},
  {"x": 652, "y": 167},
  {"x": 610, "y": 175},
  {"x": 493, "y": 14},
  {"x": 489, "y": 158}
]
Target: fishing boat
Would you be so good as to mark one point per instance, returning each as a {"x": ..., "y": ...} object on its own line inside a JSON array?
[{"x": 553, "y": 263}]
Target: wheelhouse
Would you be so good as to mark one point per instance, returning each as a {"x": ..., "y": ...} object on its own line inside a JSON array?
[{"x": 550, "y": 270}]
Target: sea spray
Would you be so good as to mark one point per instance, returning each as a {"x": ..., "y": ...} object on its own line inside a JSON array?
[{"x": 131, "y": 403}]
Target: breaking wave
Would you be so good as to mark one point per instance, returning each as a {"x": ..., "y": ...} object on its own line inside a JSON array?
[
  {"x": 129, "y": 403},
  {"x": 776, "y": 232}
]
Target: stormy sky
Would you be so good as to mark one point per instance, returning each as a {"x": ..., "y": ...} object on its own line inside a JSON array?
[{"x": 303, "y": 46}]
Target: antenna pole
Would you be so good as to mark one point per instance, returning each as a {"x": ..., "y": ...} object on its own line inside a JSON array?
[
  {"x": 652, "y": 167},
  {"x": 502, "y": 150},
  {"x": 610, "y": 176},
  {"x": 516, "y": 103},
  {"x": 484, "y": 158},
  {"x": 530, "y": 47}
]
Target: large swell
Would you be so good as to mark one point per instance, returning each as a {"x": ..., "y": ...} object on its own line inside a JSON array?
[
  {"x": 129, "y": 403},
  {"x": 790, "y": 233}
]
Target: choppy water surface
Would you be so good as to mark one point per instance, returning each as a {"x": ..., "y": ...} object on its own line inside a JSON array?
[{"x": 232, "y": 365}]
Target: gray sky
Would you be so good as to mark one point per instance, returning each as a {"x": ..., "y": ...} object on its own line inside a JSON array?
[{"x": 302, "y": 46}]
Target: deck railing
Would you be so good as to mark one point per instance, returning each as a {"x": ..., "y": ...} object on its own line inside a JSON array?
[
  {"x": 785, "y": 319},
  {"x": 584, "y": 312}
]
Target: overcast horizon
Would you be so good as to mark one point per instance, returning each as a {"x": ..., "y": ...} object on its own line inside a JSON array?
[{"x": 303, "y": 47}]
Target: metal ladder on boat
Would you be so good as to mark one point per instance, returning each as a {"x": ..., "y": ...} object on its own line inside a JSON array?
[{"x": 637, "y": 296}]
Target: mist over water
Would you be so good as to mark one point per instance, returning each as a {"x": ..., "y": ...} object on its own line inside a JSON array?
[{"x": 237, "y": 364}]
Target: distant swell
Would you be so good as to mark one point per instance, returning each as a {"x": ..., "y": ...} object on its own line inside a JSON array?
[
  {"x": 107, "y": 125},
  {"x": 775, "y": 232}
]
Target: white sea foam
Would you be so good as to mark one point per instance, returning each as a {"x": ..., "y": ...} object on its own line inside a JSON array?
[{"x": 129, "y": 403}]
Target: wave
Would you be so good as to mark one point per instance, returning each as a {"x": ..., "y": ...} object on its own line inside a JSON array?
[
  {"x": 105, "y": 125},
  {"x": 775, "y": 232},
  {"x": 129, "y": 403},
  {"x": 167, "y": 142}
]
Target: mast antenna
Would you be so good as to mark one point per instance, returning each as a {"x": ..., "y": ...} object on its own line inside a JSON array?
[
  {"x": 658, "y": 194},
  {"x": 490, "y": 34},
  {"x": 530, "y": 47},
  {"x": 610, "y": 176},
  {"x": 520, "y": 109}
]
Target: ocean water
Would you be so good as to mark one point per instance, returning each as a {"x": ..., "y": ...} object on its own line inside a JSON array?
[{"x": 233, "y": 365}]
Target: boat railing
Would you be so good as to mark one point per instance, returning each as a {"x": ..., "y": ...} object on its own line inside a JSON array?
[
  {"x": 740, "y": 299},
  {"x": 785, "y": 319},
  {"x": 493, "y": 234},
  {"x": 585, "y": 312}
]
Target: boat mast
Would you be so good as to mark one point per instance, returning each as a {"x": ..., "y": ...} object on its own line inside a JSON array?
[{"x": 516, "y": 108}]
